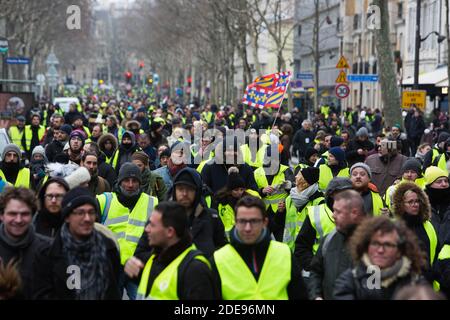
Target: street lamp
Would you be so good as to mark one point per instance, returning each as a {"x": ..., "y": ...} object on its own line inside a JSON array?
[{"x": 418, "y": 40}]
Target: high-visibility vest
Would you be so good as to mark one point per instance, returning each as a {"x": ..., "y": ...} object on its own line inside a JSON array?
[
  {"x": 165, "y": 286},
  {"x": 325, "y": 110},
  {"x": 207, "y": 116},
  {"x": 22, "y": 180},
  {"x": 377, "y": 204},
  {"x": 444, "y": 254},
  {"x": 259, "y": 159},
  {"x": 432, "y": 237},
  {"x": 294, "y": 220},
  {"x": 226, "y": 214},
  {"x": 16, "y": 136},
  {"x": 120, "y": 132},
  {"x": 261, "y": 181},
  {"x": 440, "y": 162},
  {"x": 115, "y": 158},
  {"x": 29, "y": 136},
  {"x": 435, "y": 154},
  {"x": 322, "y": 221},
  {"x": 325, "y": 175},
  {"x": 238, "y": 282},
  {"x": 127, "y": 226}
]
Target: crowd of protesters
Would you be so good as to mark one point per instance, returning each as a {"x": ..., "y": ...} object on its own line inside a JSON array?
[{"x": 136, "y": 199}]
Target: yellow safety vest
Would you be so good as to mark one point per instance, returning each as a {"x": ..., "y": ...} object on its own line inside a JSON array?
[
  {"x": 432, "y": 236},
  {"x": 247, "y": 155},
  {"x": 325, "y": 175},
  {"x": 294, "y": 220},
  {"x": 322, "y": 221},
  {"x": 165, "y": 285},
  {"x": 377, "y": 204},
  {"x": 238, "y": 282},
  {"x": 29, "y": 135},
  {"x": 261, "y": 181},
  {"x": 127, "y": 226},
  {"x": 16, "y": 136},
  {"x": 442, "y": 163},
  {"x": 390, "y": 191},
  {"x": 226, "y": 214},
  {"x": 22, "y": 180}
]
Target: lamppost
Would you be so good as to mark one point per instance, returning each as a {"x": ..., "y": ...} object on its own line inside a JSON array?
[
  {"x": 418, "y": 41},
  {"x": 52, "y": 73}
]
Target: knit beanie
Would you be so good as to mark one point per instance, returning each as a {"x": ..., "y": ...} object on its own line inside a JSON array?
[
  {"x": 234, "y": 179},
  {"x": 38, "y": 150},
  {"x": 12, "y": 148},
  {"x": 79, "y": 134},
  {"x": 412, "y": 164},
  {"x": 363, "y": 166},
  {"x": 362, "y": 132},
  {"x": 311, "y": 175},
  {"x": 433, "y": 173},
  {"x": 141, "y": 156},
  {"x": 338, "y": 184},
  {"x": 338, "y": 153},
  {"x": 310, "y": 152},
  {"x": 129, "y": 170},
  {"x": 443, "y": 136},
  {"x": 78, "y": 177},
  {"x": 75, "y": 198},
  {"x": 66, "y": 128},
  {"x": 336, "y": 141}
]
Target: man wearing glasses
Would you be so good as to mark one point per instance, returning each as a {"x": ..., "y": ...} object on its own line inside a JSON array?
[{"x": 252, "y": 266}]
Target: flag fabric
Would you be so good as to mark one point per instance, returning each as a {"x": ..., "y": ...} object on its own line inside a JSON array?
[{"x": 267, "y": 91}]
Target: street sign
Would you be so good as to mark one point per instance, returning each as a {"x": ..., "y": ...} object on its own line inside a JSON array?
[
  {"x": 17, "y": 60},
  {"x": 304, "y": 76},
  {"x": 362, "y": 77},
  {"x": 156, "y": 78},
  {"x": 51, "y": 59},
  {"x": 40, "y": 79},
  {"x": 342, "y": 91},
  {"x": 414, "y": 98},
  {"x": 343, "y": 63},
  {"x": 342, "y": 77},
  {"x": 4, "y": 46}
]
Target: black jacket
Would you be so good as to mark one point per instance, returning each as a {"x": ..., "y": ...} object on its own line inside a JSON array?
[
  {"x": 52, "y": 274},
  {"x": 256, "y": 253},
  {"x": 352, "y": 285},
  {"x": 301, "y": 141},
  {"x": 47, "y": 224},
  {"x": 106, "y": 171},
  {"x": 195, "y": 281},
  {"x": 440, "y": 211},
  {"x": 52, "y": 149},
  {"x": 332, "y": 259},
  {"x": 215, "y": 176},
  {"x": 26, "y": 253},
  {"x": 352, "y": 150}
]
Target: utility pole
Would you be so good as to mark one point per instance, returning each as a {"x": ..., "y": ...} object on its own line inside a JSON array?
[{"x": 417, "y": 45}]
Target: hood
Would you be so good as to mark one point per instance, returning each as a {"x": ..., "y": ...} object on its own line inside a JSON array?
[
  {"x": 107, "y": 136},
  {"x": 197, "y": 179},
  {"x": 131, "y": 135},
  {"x": 397, "y": 200}
]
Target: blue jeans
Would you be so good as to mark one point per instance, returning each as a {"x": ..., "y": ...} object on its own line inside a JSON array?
[{"x": 127, "y": 284}]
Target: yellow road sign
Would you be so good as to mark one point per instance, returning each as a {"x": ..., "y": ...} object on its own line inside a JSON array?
[
  {"x": 414, "y": 98},
  {"x": 342, "y": 77},
  {"x": 342, "y": 64}
]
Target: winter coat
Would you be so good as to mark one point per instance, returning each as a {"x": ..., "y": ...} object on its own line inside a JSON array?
[
  {"x": 352, "y": 284},
  {"x": 153, "y": 184},
  {"x": 52, "y": 272},
  {"x": 385, "y": 172},
  {"x": 106, "y": 171},
  {"x": 26, "y": 252},
  {"x": 331, "y": 260},
  {"x": 301, "y": 141},
  {"x": 215, "y": 176},
  {"x": 440, "y": 211},
  {"x": 98, "y": 185},
  {"x": 351, "y": 152}
]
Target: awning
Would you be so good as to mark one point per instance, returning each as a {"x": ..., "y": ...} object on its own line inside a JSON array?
[
  {"x": 429, "y": 78},
  {"x": 443, "y": 83}
]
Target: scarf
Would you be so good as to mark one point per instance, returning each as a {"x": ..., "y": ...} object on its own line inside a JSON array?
[
  {"x": 400, "y": 269},
  {"x": 301, "y": 198},
  {"x": 90, "y": 256},
  {"x": 10, "y": 170},
  {"x": 175, "y": 168},
  {"x": 22, "y": 243}
]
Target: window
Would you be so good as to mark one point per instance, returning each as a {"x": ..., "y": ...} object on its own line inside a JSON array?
[
  {"x": 355, "y": 68},
  {"x": 299, "y": 30},
  {"x": 356, "y": 22},
  {"x": 400, "y": 10},
  {"x": 366, "y": 67}
]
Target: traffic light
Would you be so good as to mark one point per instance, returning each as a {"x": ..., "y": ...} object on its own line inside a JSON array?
[
  {"x": 150, "y": 79},
  {"x": 189, "y": 80},
  {"x": 141, "y": 64},
  {"x": 128, "y": 76}
]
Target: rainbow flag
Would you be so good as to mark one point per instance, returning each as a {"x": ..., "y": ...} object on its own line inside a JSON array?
[{"x": 267, "y": 91}]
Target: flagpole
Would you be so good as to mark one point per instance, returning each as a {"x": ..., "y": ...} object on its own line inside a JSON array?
[{"x": 279, "y": 105}]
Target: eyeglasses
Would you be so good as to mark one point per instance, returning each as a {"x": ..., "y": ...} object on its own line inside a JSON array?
[
  {"x": 82, "y": 213},
  {"x": 54, "y": 196},
  {"x": 385, "y": 245},
  {"x": 412, "y": 202},
  {"x": 243, "y": 222}
]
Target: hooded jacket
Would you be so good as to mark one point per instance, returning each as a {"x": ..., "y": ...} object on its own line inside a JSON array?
[
  {"x": 207, "y": 230},
  {"x": 101, "y": 144},
  {"x": 124, "y": 155}
]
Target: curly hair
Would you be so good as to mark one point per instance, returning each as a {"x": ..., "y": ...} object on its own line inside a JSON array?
[
  {"x": 408, "y": 243},
  {"x": 24, "y": 195},
  {"x": 398, "y": 206}
]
